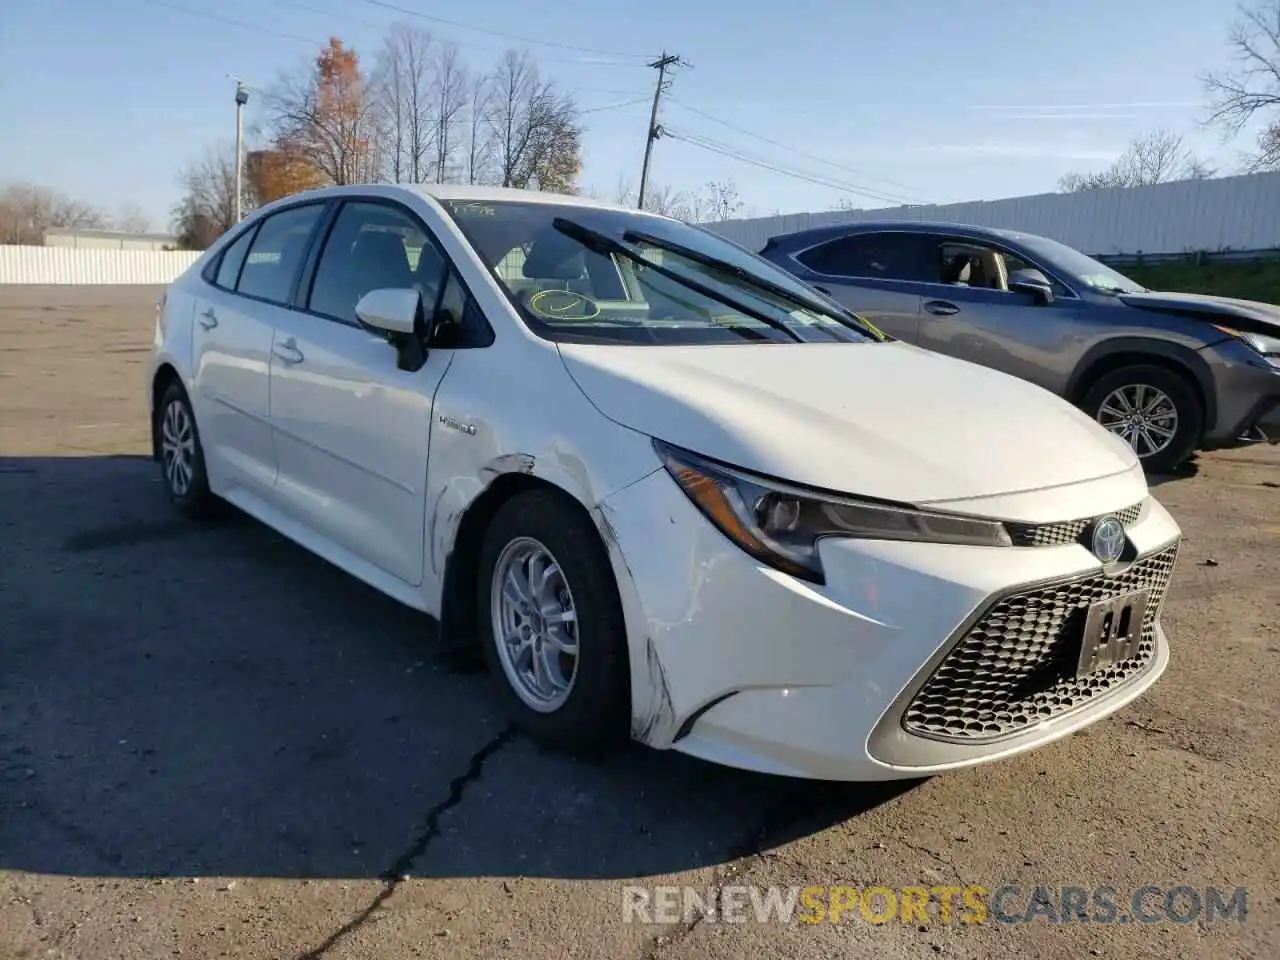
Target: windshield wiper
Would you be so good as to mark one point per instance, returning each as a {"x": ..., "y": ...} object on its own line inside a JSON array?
[
  {"x": 604, "y": 244},
  {"x": 842, "y": 315}
]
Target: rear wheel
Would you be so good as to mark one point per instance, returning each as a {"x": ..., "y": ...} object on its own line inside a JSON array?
[
  {"x": 551, "y": 624},
  {"x": 181, "y": 456},
  {"x": 1158, "y": 412}
]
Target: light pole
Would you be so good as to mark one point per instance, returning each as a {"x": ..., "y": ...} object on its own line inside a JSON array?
[{"x": 242, "y": 97}]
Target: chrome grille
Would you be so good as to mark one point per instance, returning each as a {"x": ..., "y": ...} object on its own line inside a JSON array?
[
  {"x": 1015, "y": 666},
  {"x": 1066, "y": 531}
]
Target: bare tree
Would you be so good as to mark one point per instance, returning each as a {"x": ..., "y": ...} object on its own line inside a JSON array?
[
  {"x": 403, "y": 95},
  {"x": 479, "y": 136},
  {"x": 450, "y": 93},
  {"x": 722, "y": 200},
  {"x": 390, "y": 84},
  {"x": 131, "y": 219},
  {"x": 717, "y": 200},
  {"x": 670, "y": 202},
  {"x": 1155, "y": 157},
  {"x": 536, "y": 137},
  {"x": 624, "y": 191},
  {"x": 207, "y": 208},
  {"x": 28, "y": 210},
  {"x": 1250, "y": 89}
]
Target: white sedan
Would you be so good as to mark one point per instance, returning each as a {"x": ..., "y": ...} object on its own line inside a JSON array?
[{"x": 673, "y": 493}]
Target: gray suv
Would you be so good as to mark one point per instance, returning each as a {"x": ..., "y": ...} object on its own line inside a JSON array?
[{"x": 1169, "y": 372}]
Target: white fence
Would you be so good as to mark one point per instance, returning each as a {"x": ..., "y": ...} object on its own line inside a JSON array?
[
  {"x": 1232, "y": 213},
  {"x": 59, "y": 265}
]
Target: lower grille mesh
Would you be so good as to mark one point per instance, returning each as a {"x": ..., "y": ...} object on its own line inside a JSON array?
[{"x": 1015, "y": 667}]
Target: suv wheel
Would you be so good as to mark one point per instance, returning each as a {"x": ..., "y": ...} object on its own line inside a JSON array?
[{"x": 1158, "y": 412}]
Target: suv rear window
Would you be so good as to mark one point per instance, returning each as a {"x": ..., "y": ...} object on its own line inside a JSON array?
[{"x": 877, "y": 256}]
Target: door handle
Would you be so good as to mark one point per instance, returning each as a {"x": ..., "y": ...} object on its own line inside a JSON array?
[
  {"x": 288, "y": 352},
  {"x": 941, "y": 308},
  {"x": 209, "y": 319}
]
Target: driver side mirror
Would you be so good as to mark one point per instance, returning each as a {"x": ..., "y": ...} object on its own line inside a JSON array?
[
  {"x": 1033, "y": 282},
  {"x": 396, "y": 313}
]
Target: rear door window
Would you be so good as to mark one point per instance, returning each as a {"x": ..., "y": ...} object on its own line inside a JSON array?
[
  {"x": 232, "y": 261},
  {"x": 875, "y": 256},
  {"x": 277, "y": 253}
]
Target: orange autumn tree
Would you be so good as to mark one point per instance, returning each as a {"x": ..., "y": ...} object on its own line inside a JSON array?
[
  {"x": 322, "y": 123},
  {"x": 279, "y": 172}
]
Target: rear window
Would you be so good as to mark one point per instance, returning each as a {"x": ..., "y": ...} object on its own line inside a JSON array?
[{"x": 875, "y": 256}]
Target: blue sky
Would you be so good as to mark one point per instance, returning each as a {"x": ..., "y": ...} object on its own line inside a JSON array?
[{"x": 927, "y": 100}]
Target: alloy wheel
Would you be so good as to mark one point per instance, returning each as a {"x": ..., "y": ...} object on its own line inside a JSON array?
[
  {"x": 178, "y": 447},
  {"x": 535, "y": 624},
  {"x": 1145, "y": 417}
]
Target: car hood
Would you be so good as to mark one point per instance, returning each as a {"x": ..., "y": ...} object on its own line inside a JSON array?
[
  {"x": 883, "y": 420},
  {"x": 1253, "y": 315}
]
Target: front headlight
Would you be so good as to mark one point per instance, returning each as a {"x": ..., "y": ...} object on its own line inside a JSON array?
[
  {"x": 780, "y": 524},
  {"x": 1268, "y": 347}
]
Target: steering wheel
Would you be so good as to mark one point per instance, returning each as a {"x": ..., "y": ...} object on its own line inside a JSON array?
[{"x": 562, "y": 305}]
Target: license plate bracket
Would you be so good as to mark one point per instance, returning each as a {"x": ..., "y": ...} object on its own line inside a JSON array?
[{"x": 1112, "y": 631}]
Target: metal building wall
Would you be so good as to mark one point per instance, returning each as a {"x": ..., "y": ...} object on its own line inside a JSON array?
[
  {"x": 56, "y": 265},
  {"x": 1231, "y": 213}
]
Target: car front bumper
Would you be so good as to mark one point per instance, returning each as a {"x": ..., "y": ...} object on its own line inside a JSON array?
[
  {"x": 874, "y": 675},
  {"x": 1247, "y": 400},
  {"x": 1263, "y": 423}
]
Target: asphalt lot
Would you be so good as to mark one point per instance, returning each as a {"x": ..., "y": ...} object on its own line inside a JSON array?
[{"x": 214, "y": 745}]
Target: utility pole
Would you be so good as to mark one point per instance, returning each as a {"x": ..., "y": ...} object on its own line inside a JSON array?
[
  {"x": 655, "y": 131},
  {"x": 242, "y": 97}
]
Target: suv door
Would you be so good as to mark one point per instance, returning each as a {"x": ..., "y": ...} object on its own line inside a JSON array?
[
  {"x": 969, "y": 312},
  {"x": 351, "y": 428},
  {"x": 231, "y": 344},
  {"x": 876, "y": 275}
]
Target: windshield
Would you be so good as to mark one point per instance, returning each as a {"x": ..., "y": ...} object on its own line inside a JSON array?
[
  {"x": 641, "y": 291},
  {"x": 1077, "y": 266}
]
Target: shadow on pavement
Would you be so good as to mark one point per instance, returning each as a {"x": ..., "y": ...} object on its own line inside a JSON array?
[
  {"x": 178, "y": 699},
  {"x": 1184, "y": 471}
]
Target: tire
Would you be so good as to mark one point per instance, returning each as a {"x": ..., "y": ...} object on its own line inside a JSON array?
[
  {"x": 1104, "y": 400},
  {"x": 182, "y": 469},
  {"x": 593, "y": 714}
]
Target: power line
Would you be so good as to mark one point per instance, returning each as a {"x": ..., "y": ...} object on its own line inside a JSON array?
[
  {"x": 725, "y": 150},
  {"x": 789, "y": 147},
  {"x": 616, "y": 106},
  {"x": 316, "y": 43},
  {"x": 329, "y": 13},
  {"x": 875, "y": 193},
  {"x": 500, "y": 33},
  {"x": 258, "y": 28}
]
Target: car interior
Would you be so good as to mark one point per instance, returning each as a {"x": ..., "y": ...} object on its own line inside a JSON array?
[
  {"x": 267, "y": 273},
  {"x": 973, "y": 267},
  {"x": 377, "y": 256},
  {"x": 556, "y": 262}
]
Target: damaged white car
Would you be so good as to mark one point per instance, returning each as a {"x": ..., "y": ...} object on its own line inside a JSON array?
[{"x": 673, "y": 493}]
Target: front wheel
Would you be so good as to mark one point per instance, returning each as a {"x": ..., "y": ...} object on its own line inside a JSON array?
[
  {"x": 1158, "y": 412},
  {"x": 551, "y": 624}
]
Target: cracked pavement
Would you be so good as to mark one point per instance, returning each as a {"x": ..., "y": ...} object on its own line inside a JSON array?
[{"x": 213, "y": 744}]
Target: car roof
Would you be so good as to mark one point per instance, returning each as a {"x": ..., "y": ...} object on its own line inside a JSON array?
[
  {"x": 966, "y": 231},
  {"x": 453, "y": 192}
]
